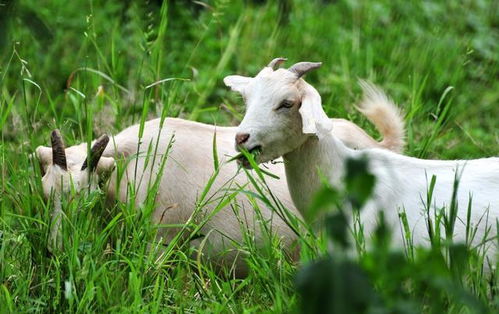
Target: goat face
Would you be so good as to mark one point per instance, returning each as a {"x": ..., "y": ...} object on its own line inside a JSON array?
[
  {"x": 282, "y": 111},
  {"x": 68, "y": 169}
]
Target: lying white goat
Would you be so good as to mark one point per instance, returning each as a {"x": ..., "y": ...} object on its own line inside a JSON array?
[
  {"x": 187, "y": 171},
  {"x": 284, "y": 117}
]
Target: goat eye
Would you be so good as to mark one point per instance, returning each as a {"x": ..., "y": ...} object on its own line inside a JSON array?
[{"x": 285, "y": 104}]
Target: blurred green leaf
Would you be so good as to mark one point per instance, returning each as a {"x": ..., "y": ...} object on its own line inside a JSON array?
[
  {"x": 337, "y": 228},
  {"x": 330, "y": 286},
  {"x": 359, "y": 182},
  {"x": 325, "y": 199}
]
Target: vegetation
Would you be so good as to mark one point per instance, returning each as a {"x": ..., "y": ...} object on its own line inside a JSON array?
[{"x": 89, "y": 67}]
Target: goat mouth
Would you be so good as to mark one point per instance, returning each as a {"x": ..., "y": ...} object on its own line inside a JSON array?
[{"x": 254, "y": 151}]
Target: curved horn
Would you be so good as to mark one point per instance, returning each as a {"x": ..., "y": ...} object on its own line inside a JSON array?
[
  {"x": 301, "y": 68},
  {"x": 96, "y": 153},
  {"x": 274, "y": 64},
  {"x": 58, "y": 153}
]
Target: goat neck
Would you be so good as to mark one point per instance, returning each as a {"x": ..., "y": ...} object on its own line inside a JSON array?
[{"x": 311, "y": 164}]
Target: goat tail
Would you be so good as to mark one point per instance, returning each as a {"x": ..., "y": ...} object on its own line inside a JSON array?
[{"x": 384, "y": 114}]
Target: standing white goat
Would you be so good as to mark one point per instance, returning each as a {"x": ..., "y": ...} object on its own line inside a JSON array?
[
  {"x": 284, "y": 117},
  {"x": 188, "y": 170}
]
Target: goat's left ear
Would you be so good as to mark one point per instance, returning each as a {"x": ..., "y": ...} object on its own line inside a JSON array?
[
  {"x": 237, "y": 82},
  {"x": 105, "y": 165},
  {"x": 314, "y": 119},
  {"x": 44, "y": 155}
]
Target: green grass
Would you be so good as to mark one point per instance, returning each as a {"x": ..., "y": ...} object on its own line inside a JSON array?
[{"x": 437, "y": 59}]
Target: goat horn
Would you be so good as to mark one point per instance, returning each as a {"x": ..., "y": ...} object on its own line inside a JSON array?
[
  {"x": 96, "y": 153},
  {"x": 301, "y": 68},
  {"x": 58, "y": 153},
  {"x": 274, "y": 64}
]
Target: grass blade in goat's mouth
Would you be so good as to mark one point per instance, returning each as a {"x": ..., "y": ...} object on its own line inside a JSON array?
[
  {"x": 255, "y": 151},
  {"x": 236, "y": 157}
]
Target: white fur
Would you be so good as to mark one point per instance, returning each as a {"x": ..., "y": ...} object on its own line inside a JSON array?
[
  {"x": 401, "y": 182},
  {"x": 188, "y": 169}
]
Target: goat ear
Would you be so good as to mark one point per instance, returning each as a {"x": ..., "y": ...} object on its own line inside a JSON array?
[
  {"x": 314, "y": 119},
  {"x": 105, "y": 165},
  {"x": 237, "y": 82},
  {"x": 44, "y": 155}
]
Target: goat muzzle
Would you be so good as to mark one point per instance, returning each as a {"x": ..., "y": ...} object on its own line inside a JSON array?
[{"x": 242, "y": 138}]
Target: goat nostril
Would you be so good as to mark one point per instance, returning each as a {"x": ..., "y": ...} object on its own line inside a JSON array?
[{"x": 241, "y": 138}]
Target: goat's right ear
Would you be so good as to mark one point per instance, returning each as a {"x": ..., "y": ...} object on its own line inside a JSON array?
[{"x": 237, "y": 82}]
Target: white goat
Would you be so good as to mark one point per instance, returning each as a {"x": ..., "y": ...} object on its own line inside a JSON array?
[
  {"x": 284, "y": 117},
  {"x": 188, "y": 169}
]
